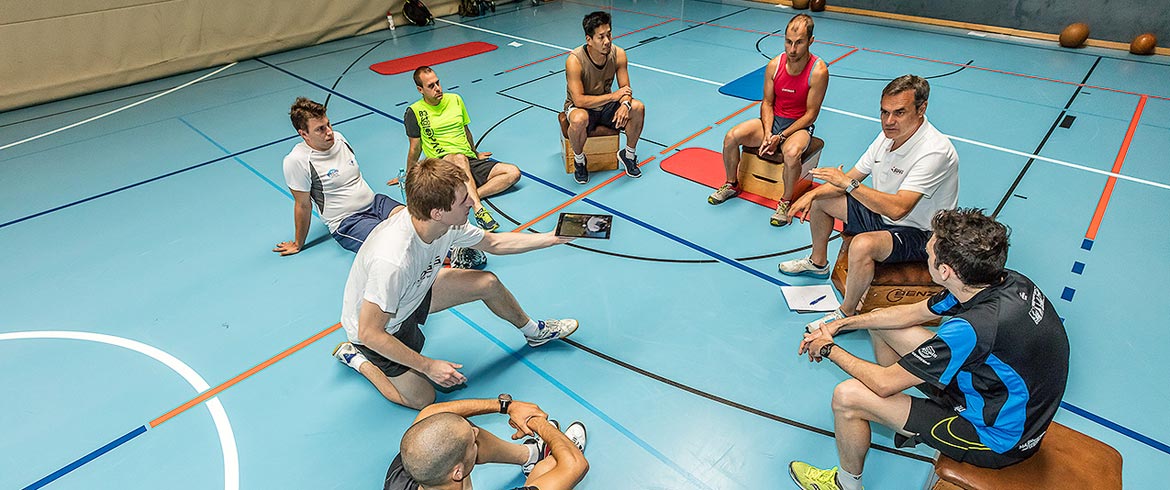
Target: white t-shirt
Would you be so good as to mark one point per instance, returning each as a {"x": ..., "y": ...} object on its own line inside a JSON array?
[
  {"x": 395, "y": 269},
  {"x": 926, "y": 163},
  {"x": 332, "y": 179}
]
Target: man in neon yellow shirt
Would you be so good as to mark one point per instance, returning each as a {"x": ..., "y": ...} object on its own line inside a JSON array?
[{"x": 437, "y": 126}]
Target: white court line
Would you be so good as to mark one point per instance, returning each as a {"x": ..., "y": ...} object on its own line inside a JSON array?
[
  {"x": 851, "y": 114},
  {"x": 227, "y": 440},
  {"x": 120, "y": 109}
]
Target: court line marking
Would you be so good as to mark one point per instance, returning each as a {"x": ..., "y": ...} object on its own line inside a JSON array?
[
  {"x": 582, "y": 401},
  {"x": 1103, "y": 203},
  {"x": 227, "y": 440},
  {"x": 859, "y": 116},
  {"x": 530, "y": 63},
  {"x": 120, "y": 109}
]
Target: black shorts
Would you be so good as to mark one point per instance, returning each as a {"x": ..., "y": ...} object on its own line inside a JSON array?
[
  {"x": 602, "y": 116},
  {"x": 940, "y": 427},
  {"x": 397, "y": 478},
  {"x": 408, "y": 333},
  {"x": 909, "y": 243},
  {"x": 481, "y": 169}
]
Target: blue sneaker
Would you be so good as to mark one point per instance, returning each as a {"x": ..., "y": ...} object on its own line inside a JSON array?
[
  {"x": 631, "y": 164},
  {"x": 581, "y": 172}
]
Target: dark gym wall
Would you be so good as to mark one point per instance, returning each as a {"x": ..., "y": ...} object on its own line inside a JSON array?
[{"x": 1111, "y": 20}]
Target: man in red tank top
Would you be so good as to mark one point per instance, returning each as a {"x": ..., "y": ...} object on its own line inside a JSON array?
[{"x": 794, "y": 88}]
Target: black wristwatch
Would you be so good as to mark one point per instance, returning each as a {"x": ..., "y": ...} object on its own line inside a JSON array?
[
  {"x": 853, "y": 184},
  {"x": 826, "y": 349},
  {"x": 505, "y": 400}
]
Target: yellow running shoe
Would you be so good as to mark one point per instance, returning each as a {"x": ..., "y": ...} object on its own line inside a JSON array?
[{"x": 810, "y": 477}]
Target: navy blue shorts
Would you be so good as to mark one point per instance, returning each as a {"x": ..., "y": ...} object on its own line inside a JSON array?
[
  {"x": 781, "y": 123},
  {"x": 354, "y": 229},
  {"x": 909, "y": 243}
]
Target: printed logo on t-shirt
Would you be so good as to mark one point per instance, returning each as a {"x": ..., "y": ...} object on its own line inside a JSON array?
[
  {"x": 430, "y": 270},
  {"x": 896, "y": 170},
  {"x": 1033, "y": 442},
  {"x": 1037, "y": 311},
  {"x": 332, "y": 173},
  {"x": 424, "y": 122}
]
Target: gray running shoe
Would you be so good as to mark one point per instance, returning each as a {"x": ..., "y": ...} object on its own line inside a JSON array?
[
  {"x": 722, "y": 194},
  {"x": 780, "y": 217}
]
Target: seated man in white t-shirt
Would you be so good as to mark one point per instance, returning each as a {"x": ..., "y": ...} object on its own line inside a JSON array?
[
  {"x": 398, "y": 278},
  {"x": 323, "y": 170},
  {"x": 915, "y": 173}
]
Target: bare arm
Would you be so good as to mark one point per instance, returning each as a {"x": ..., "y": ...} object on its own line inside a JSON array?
[
  {"x": 884, "y": 381},
  {"x": 816, "y": 96},
  {"x": 413, "y": 153},
  {"x": 571, "y": 464},
  {"x": 766, "y": 109},
  {"x": 623, "y": 76},
  {"x": 471, "y": 142},
  {"x": 577, "y": 89},
  {"x": 893, "y": 206},
  {"x": 302, "y": 215},
  {"x": 372, "y": 333},
  {"x": 891, "y": 318},
  {"x": 514, "y": 243}
]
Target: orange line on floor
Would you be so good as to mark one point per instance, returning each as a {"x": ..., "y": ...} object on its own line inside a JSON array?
[
  {"x": 839, "y": 58},
  {"x": 688, "y": 138},
  {"x": 1103, "y": 203},
  {"x": 736, "y": 113},
  {"x": 242, "y": 376}
]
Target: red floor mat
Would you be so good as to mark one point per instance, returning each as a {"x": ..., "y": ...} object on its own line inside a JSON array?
[{"x": 450, "y": 53}]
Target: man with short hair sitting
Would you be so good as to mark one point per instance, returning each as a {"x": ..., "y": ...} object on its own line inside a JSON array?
[
  {"x": 915, "y": 173},
  {"x": 440, "y": 450},
  {"x": 994, "y": 373},
  {"x": 398, "y": 278}
]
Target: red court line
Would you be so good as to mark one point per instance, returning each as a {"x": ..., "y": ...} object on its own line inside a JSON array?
[
  {"x": 839, "y": 58},
  {"x": 242, "y": 376},
  {"x": 672, "y": 19},
  {"x": 890, "y": 53},
  {"x": 1108, "y": 192},
  {"x": 688, "y": 138}
]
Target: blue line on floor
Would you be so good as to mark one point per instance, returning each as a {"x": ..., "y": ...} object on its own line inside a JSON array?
[
  {"x": 163, "y": 176},
  {"x": 589, "y": 406},
  {"x": 1116, "y": 427},
  {"x": 667, "y": 234},
  {"x": 87, "y": 458},
  {"x": 252, "y": 169}
]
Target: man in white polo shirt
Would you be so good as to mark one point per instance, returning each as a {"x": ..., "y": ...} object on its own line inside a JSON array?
[
  {"x": 915, "y": 173},
  {"x": 398, "y": 278},
  {"x": 322, "y": 169}
]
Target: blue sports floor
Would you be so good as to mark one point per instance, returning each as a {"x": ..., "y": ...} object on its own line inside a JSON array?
[{"x": 138, "y": 272}]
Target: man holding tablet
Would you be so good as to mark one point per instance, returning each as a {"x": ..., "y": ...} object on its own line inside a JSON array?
[{"x": 397, "y": 279}]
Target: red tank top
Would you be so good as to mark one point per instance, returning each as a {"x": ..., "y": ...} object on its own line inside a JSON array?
[{"x": 790, "y": 98}]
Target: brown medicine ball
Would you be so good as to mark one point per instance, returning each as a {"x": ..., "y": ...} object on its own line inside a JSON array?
[
  {"x": 1143, "y": 44},
  {"x": 1074, "y": 35},
  {"x": 800, "y": 4},
  {"x": 817, "y": 5}
]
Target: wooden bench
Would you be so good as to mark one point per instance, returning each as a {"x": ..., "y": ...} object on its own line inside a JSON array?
[
  {"x": 764, "y": 176},
  {"x": 601, "y": 147},
  {"x": 892, "y": 285},
  {"x": 1067, "y": 459}
]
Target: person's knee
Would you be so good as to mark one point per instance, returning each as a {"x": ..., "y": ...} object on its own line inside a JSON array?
[
  {"x": 578, "y": 119},
  {"x": 419, "y": 401},
  {"x": 637, "y": 107},
  {"x": 849, "y": 397},
  {"x": 511, "y": 173},
  {"x": 486, "y": 281},
  {"x": 792, "y": 153},
  {"x": 865, "y": 248}
]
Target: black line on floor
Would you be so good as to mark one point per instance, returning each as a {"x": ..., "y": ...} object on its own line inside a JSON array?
[
  {"x": 1055, "y": 123},
  {"x": 733, "y": 404},
  {"x": 724, "y": 16},
  {"x": 346, "y": 70}
]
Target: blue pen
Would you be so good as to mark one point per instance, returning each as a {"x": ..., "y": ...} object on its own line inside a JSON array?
[{"x": 818, "y": 300}]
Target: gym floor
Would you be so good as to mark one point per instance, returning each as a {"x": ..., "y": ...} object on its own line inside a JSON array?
[{"x": 138, "y": 225}]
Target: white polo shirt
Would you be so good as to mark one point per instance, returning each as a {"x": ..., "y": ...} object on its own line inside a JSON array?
[
  {"x": 332, "y": 179},
  {"x": 395, "y": 269},
  {"x": 926, "y": 163}
]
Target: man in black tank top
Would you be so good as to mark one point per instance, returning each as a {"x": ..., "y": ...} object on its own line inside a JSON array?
[
  {"x": 591, "y": 101},
  {"x": 440, "y": 450}
]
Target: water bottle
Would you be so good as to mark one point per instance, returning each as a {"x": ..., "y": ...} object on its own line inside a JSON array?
[
  {"x": 402, "y": 183},
  {"x": 390, "y": 19}
]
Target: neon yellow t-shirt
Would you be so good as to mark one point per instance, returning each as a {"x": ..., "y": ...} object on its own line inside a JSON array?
[{"x": 440, "y": 127}]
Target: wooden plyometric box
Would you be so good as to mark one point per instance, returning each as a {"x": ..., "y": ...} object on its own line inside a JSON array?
[
  {"x": 892, "y": 285},
  {"x": 601, "y": 147},
  {"x": 764, "y": 176}
]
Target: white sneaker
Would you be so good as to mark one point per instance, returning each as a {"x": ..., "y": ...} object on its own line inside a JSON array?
[
  {"x": 547, "y": 330},
  {"x": 830, "y": 317},
  {"x": 805, "y": 267},
  {"x": 349, "y": 355},
  {"x": 576, "y": 433},
  {"x": 542, "y": 450}
]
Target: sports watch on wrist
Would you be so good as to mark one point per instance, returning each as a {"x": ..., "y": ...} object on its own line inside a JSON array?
[
  {"x": 627, "y": 104},
  {"x": 853, "y": 184},
  {"x": 505, "y": 400},
  {"x": 828, "y": 348}
]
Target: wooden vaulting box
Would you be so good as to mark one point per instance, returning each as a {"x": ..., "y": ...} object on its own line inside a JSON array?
[
  {"x": 601, "y": 147},
  {"x": 764, "y": 176}
]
